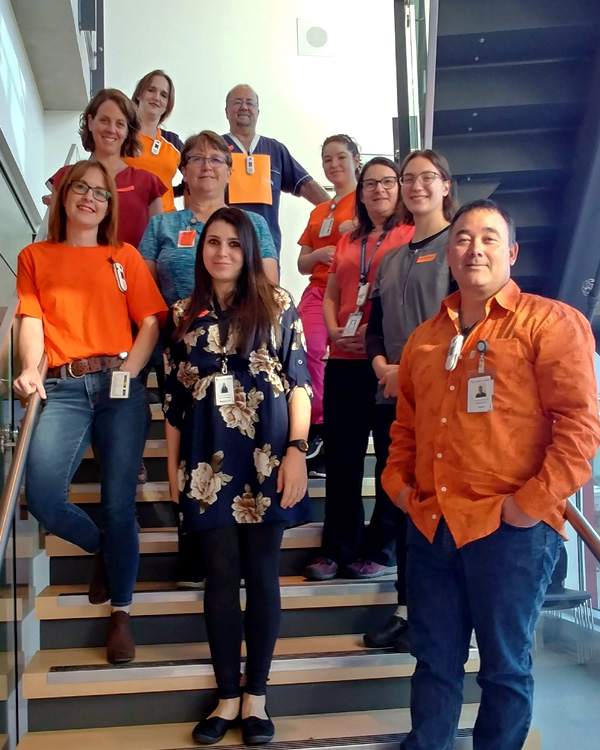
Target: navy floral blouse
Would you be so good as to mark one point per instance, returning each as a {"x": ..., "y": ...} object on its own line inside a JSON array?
[{"x": 230, "y": 455}]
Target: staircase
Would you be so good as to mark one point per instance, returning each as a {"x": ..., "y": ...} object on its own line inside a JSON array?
[
  {"x": 326, "y": 690},
  {"x": 516, "y": 114}
]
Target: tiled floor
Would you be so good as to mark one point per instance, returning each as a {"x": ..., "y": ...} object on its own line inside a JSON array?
[{"x": 567, "y": 702}]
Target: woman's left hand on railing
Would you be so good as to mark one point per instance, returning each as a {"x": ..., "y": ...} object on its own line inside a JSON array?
[{"x": 29, "y": 381}]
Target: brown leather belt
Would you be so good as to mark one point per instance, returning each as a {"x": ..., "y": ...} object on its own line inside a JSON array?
[{"x": 77, "y": 368}]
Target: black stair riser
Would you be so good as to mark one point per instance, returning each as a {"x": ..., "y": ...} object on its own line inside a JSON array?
[
  {"x": 161, "y": 567},
  {"x": 188, "y": 706},
  {"x": 190, "y": 628},
  {"x": 157, "y": 470},
  {"x": 158, "y": 515}
]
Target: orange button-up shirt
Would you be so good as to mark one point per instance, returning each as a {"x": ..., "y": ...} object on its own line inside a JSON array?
[{"x": 535, "y": 444}]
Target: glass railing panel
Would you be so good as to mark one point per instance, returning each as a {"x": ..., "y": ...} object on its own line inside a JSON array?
[{"x": 420, "y": 44}]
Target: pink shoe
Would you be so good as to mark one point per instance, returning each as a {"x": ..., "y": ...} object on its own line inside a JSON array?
[
  {"x": 369, "y": 569},
  {"x": 321, "y": 569}
]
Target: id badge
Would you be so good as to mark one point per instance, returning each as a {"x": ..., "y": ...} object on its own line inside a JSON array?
[
  {"x": 119, "y": 384},
  {"x": 249, "y": 164},
  {"x": 119, "y": 272},
  {"x": 224, "y": 390},
  {"x": 363, "y": 293},
  {"x": 326, "y": 227},
  {"x": 352, "y": 324},
  {"x": 186, "y": 238},
  {"x": 155, "y": 150},
  {"x": 480, "y": 393}
]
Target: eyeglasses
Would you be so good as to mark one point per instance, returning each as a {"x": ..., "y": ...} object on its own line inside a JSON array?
[
  {"x": 81, "y": 188},
  {"x": 425, "y": 178},
  {"x": 387, "y": 182},
  {"x": 213, "y": 161}
]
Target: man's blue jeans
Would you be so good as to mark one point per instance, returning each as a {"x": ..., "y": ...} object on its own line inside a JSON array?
[
  {"x": 495, "y": 586},
  {"x": 77, "y": 412}
]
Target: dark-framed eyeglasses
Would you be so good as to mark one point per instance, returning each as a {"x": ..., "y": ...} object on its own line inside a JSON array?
[
  {"x": 81, "y": 188},
  {"x": 386, "y": 182}
]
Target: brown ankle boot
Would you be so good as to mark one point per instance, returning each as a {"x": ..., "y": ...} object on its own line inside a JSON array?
[
  {"x": 120, "y": 647},
  {"x": 98, "y": 591}
]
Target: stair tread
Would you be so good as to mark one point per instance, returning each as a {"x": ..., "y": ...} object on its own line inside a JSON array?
[
  {"x": 361, "y": 724},
  {"x": 164, "y": 540},
  {"x": 187, "y": 666},
  {"x": 152, "y": 492},
  {"x": 365, "y": 724},
  {"x": 70, "y": 601}
]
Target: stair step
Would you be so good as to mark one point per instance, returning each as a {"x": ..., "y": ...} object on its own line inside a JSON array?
[
  {"x": 364, "y": 730},
  {"x": 71, "y": 602},
  {"x": 163, "y": 540},
  {"x": 155, "y": 492},
  {"x": 181, "y": 667}
]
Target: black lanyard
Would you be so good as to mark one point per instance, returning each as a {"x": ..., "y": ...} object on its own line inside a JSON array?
[{"x": 364, "y": 270}]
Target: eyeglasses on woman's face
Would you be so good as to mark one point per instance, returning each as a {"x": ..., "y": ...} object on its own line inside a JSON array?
[
  {"x": 425, "y": 178},
  {"x": 213, "y": 161},
  {"x": 386, "y": 182},
  {"x": 81, "y": 188}
]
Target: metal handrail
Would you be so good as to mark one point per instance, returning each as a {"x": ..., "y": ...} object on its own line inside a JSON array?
[
  {"x": 12, "y": 486},
  {"x": 583, "y": 529}
]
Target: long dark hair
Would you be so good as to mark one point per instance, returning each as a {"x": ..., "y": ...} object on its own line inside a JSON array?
[
  {"x": 440, "y": 162},
  {"x": 254, "y": 310},
  {"x": 350, "y": 145},
  {"x": 365, "y": 225}
]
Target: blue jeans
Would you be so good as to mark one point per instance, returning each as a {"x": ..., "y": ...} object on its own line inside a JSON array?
[
  {"x": 495, "y": 586},
  {"x": 77, "y": 412}
]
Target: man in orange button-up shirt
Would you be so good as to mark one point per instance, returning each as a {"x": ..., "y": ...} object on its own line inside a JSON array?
[{"x": 485, "y": 480}]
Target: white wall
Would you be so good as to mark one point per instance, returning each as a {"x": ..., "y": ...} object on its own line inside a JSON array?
[
  {"x": 21, "y": 113},
  {"x": 209, "y": 46}
]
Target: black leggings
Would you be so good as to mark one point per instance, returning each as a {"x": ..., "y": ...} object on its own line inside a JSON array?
[{"x": 249, "y": 551}]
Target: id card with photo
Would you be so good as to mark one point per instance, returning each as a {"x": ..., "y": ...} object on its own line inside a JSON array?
[
  {"x": 119, "y": 384},
  {"x": 480, "y": 393},
  {"x": 224, "y": 390},
  {"x": 352, "y": 324}
]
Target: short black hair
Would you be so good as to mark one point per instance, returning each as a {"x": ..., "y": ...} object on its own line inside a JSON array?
[{"x": 485, "y": 204}]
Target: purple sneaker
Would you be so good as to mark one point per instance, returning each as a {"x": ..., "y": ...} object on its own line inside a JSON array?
[
  {"x": 321, "y": 569},
  {"x": 369, "y": 569}
]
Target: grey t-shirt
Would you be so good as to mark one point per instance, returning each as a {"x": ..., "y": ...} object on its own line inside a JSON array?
[{"x": 411, "y": 282}]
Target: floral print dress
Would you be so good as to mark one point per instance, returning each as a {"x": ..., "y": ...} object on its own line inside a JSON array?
[{"x": 230, "y": 455}]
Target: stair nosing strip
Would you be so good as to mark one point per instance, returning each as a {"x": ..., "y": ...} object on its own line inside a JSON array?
[
  {"x": 325, "y": 588},
  {"x": 203, "y": 667}
]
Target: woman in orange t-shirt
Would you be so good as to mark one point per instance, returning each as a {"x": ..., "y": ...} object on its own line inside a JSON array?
[
  {"x": 154, "y": 96},
  {"x": 351, "y": 385},
  {"x": 327, "y": 222},
  {"x": 79, "y": 292}
]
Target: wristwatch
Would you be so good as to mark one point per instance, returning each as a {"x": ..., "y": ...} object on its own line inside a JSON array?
[{"x": 302, "y": 445}]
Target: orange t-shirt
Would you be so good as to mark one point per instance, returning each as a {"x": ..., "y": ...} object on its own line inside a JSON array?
[
  {"x": 73, "y": 290},
  {"x": 343, "y": 211},
  {"x": 164, "y": 164},
  {"x": 346, "y": 267}
]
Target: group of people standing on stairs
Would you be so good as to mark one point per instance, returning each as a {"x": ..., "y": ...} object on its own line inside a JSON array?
[{"x": 119, "y": 263}]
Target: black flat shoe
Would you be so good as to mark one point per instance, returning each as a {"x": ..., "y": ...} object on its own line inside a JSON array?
[
  {"x": 385, "y": 635},
  {"x": 257, "y": 731},
  {"x": 211, "y": 730}
]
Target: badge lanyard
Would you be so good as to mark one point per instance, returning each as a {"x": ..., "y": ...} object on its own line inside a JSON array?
[
  {"x": 480, "y": 383},
  {"x": 249, "y": 157},
  {"x": 224, "y": 384},
  {"x": 354, "y": 319}
]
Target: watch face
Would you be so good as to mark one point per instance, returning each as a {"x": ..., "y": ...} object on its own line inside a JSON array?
[{"x": 302, "y": 445}]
